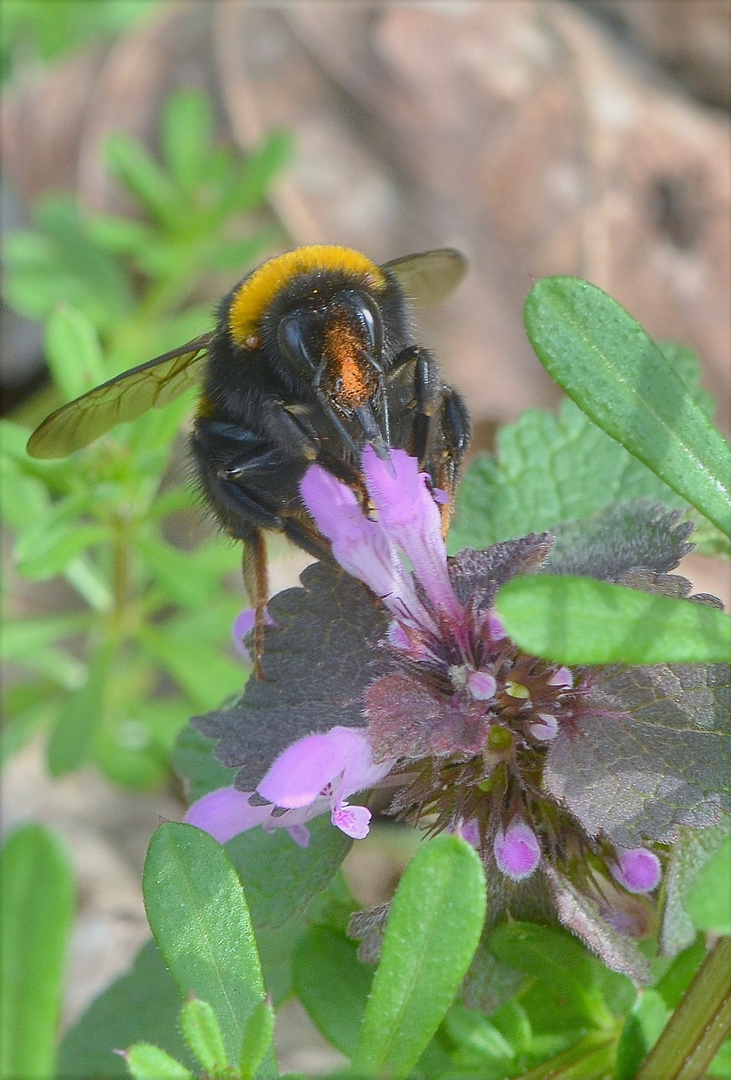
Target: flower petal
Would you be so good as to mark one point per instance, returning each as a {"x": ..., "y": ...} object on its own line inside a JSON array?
[
  {"x": 410, "y": 518},
  {"x": 547, "y": 729},
  {"x": 637, "y": 869},
  {"x": 481, "y": 685},
  {"x": 303, "y": 771},
  {"x": 359, "y": 544},
  {"x": 226, "y": 812},
  {"x": 517, "y": 851},
  {"x": 354, "y": 821},
  {"x": 242, "y": 627}
]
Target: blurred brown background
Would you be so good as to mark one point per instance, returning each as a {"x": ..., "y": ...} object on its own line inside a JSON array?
[{"x": 538, "y": 136}]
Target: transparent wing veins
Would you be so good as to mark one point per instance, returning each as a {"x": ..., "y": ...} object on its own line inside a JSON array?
[
  {"x": 123, "y": 398},
  {"x": 429, "y": 277}
]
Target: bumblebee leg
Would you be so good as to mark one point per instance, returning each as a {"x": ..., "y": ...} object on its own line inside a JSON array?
[
  {"x": 256, "y": 581},
  {"x": 427, "y": 397},
  {"x": 455, "y": 430}
]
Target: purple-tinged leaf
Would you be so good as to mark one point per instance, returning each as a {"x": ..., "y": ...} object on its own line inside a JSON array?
[
  {"x": 581, "y": 915},
  {"x": 619, "y": 538},
  {"x": 651, "y": 751},
  {"x": 318, "y": 661}
]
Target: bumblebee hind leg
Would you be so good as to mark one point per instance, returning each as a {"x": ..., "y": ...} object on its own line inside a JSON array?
[{"x": 256, "y": 582}]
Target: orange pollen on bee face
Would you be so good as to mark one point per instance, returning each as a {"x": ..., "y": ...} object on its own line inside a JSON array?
[
  {"x": 260, "y": 288},
  {"x": 357, "y": 379}
]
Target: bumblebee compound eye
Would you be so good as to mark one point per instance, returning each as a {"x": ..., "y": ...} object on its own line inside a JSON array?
[
  {"x": 364, "y": 312},
  {"x": 292, "y": 336}
]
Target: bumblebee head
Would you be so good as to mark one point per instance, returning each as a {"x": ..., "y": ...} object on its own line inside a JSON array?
[{"x": 316, "y": 314}]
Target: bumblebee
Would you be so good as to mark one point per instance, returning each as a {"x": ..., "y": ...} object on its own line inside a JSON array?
[{"x": 312, "y": 357}]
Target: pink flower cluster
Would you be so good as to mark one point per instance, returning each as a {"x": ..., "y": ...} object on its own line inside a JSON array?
[{"x": 491, "y": 703}]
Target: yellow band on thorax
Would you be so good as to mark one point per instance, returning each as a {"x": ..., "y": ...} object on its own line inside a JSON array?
[{"x": 257, "y": 292}]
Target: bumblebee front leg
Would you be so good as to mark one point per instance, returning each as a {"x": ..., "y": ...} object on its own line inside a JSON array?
[
  {"x": 427, "y": 388},
  {"x": 455, "y": 439}
]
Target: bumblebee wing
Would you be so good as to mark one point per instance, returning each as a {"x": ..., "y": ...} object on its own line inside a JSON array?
[
  {"x": 123, "y": 398},
  {"x": 429, "y": 276}
]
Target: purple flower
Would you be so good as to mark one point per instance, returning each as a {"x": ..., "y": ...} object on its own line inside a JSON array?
[
  {"x": 549, "y": 772},
  {"x": 517, "y": 851},
  {"x": 314, "y": 775},
  {"x": 243, "y": 626},
  {"x": 638, "y": 870}
]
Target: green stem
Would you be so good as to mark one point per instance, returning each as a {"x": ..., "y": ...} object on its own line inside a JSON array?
[
  {"x": 591, "y": 1058},
  {"x": 120, "y": 571},
  {"x": 701, "y": 1022}
]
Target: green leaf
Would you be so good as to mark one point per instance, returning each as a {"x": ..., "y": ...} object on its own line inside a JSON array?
[
  {"x": 193, "y": 759},
  {"x": 677, "y": 978},
  {"x": 73, "y": 352},
  {"x": 73, "y": 737},
  {"x": 122, "y": 236},
  {"x": 433, "y": 930},
  {"x": 566, "y": 970},
  {"x": 37, "y": 899},
  {"x": 56, "y": 539},
  {"x": 302, "y": 873},
  {"x": 708, "y": 901},
  {"x": 147, "y": 1062},
  {"x": 257, "y": 1038},
  {"x": 141, "y": 1005},
  {"x": 698, "y": 1026},
  {"x": 233, "y": 256},
  {"x": 720, "y": 1067},
  {"x": 187, "y": 127},
  {"x": 59, "y": 548},
  {"x": 249, "y": 184},
  {"x": 477, "y": 1037},
  {"x": 201, "y": 923},
  {"x": 576, "y": 620},
  {"x": 333, "y": 985},
  {"x": 640, "y": 1033},
  {"x": 144, "y": 178},
  {"x": 688, "y": 855},
  {"x": 550, "y": 469},
  {"x": 28, "y": 707},
  {"x": 197, "y": 666},
  {"x": 606, "y": 362},
  {"x": 182, "y": 576},
  {"x": 24, "y": 636},
  {"x": 202, "y": 1032},
  {"x": 60, "y": 262}
]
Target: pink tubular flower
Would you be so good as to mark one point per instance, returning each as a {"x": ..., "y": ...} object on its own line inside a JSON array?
[
  {"x": 517, "y": 851},
  {"x": 313, "y": 775},
  {"x": 359, "y": 544},
  {"x": 637, "y": 869},
  {"x": 462, "y": 649},
  {"x": 408, "y": 515},
  {"x": 243, "y": 625}
]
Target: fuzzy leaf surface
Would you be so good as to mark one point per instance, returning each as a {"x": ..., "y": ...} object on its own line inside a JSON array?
[
  {"x": 554, "y": 468},
  {"x": 606, "y": 362},
  {"x": 317, "y": 661},
  {"x": 433, "y": 930},
  {"x": 198, "y": 914},
  {"x": 651, "y": 751},
  {"x": 687, "y": 858},
  {"x": 301, "y": 874}
]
